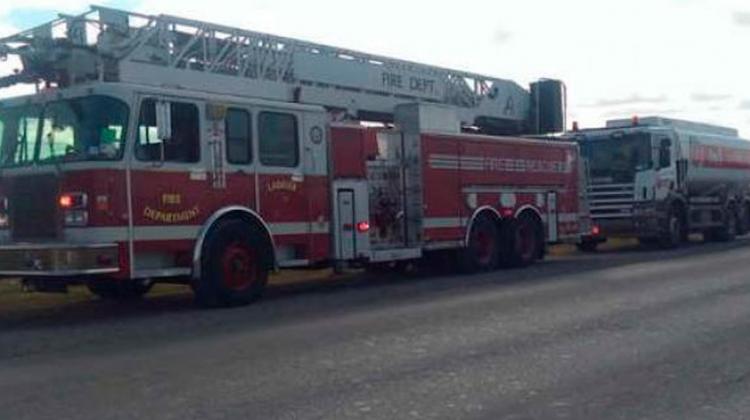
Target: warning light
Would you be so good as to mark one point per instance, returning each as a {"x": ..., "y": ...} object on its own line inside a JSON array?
[
  {"x": 73, "y": 200},
  {"x": 363, "y": 227},
  {"x": 596, "y": 230},
  {"x": 66, "y": 201}
]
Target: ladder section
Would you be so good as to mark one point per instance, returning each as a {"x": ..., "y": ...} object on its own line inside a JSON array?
[{"x": 114, "y": 45}]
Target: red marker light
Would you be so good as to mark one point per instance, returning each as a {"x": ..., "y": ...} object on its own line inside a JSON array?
[
  {"x": 66, "y": 201},
  {"x": 596, "y": 230},
  {"x": 363, "y": 227}
]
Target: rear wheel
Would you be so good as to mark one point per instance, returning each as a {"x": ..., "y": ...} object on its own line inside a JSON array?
[
  {"x": 743, "y": 220},
  {"x": 728, "y": 231},
  {"x": 524, "y": 241},
  {"x": 119, "y": 290},
  {"x": 234, "y": 265},
  {"x": 483, "y": 250}
]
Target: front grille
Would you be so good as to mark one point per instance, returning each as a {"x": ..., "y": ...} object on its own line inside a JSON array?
[
  {"x": 33, "y": 208},
  {"x": 611, "y": 201}
]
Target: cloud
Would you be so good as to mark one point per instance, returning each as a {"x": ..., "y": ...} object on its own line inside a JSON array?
[
  {"x": 630, "y": 100},
  {"x": 742, "y": 18},
  {"x": 709, "y": 97},
  {"x": 501, "y": 36},
  {"x": 745, "y": 104}
]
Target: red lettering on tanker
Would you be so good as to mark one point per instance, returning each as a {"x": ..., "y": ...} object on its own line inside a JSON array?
[{"x": 719, "y": 157}]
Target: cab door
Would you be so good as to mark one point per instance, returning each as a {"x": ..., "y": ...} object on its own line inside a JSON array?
[
  {"x": 293, "y": 189},
  {"x": 235, "y": 143},
  {"x": 169, "y": 177}
]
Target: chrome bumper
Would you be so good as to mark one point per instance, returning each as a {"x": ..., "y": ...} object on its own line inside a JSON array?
[{"x": 58, "y": 260}]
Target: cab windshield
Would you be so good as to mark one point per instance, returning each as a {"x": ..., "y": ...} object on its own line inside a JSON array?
[
  {"x": 82, "y": 129},
  {"x": 617, "y": 159}
]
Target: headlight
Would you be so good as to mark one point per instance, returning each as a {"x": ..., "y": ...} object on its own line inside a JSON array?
[
  {"x": 76, "y": 218},
  {"x": 75, "y": 206}
]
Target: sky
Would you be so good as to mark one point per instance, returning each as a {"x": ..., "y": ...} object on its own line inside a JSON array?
[{"x": 675, "y": 58}]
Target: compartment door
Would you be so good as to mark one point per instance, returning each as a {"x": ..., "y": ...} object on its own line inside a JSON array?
[
  {"x": 552, "y": 217},
  {"x": 346, "y": 229}
]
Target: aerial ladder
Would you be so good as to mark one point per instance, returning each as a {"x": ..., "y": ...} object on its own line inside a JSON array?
[{"x": 111, "y": 45}]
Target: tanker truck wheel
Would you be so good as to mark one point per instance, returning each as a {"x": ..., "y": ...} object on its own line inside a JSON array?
[
  {"x": 728, "y": 232},
  {"x": 673, "y": 235},
  {"x": 234, "y": 266},
  {"x": 743, "y": 220}
]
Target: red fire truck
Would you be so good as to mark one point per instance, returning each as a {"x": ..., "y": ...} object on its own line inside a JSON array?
[{"x": 164, "y": 149}]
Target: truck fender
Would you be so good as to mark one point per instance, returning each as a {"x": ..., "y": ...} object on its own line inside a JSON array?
[
  {"x": 474, "y": 217},
  {"x": 228, "y": 212},
  {"x": 530, "y": 208}
]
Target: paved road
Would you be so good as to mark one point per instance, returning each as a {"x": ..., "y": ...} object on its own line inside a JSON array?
[{"x": 629, "y": 335}]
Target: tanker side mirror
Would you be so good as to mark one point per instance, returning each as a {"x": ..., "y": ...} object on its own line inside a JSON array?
[{"x": 665, "y": 153}]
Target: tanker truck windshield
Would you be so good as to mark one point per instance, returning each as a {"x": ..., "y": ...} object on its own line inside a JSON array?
[
  {"x": 81, "y": 129},
  {"x": 617, "y": 159}
]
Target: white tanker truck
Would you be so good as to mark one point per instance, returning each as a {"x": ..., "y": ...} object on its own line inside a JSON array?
[{"x": 661, "y": 179}]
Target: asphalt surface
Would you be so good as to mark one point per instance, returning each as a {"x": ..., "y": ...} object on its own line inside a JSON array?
[{"x": 636, "y": 334}]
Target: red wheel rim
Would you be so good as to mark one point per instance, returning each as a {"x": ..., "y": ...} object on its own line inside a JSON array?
[
  {"x": 239, "y": 266},
  {"x": 485, "y": 246}
]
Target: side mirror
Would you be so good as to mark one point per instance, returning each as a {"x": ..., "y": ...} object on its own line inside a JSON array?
[
  {"x": 665, "y": 153},
  {"x": 163, "y": 121}
]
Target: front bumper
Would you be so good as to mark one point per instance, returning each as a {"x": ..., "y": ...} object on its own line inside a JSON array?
[
  {"x": 58, "y": 260},
  {"x": 615, "y": 227}
]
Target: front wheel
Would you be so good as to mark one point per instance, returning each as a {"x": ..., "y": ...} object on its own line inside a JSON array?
[
  {"x": 672, "y": 237},
  {"x": 234, "y": 265}
]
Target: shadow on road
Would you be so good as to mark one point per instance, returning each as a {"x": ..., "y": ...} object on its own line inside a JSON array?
[{"x": 341, "y": 294}]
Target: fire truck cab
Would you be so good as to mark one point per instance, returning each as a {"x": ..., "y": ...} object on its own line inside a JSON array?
[{"x": 180, "y": 155}]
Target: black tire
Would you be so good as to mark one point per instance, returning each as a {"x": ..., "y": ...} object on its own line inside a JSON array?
[
  {"x": 587, "y": 246},
  {"x": 483, "y": 250},
  {"x": 743, "y": 221},
  {"x": 728, "y": 231},
  {"x": 523, "y": 241},
  {"x": 235, "y": 264},
  {"x": 119, "y": 290},
  {"x": 673, "y": 234}
]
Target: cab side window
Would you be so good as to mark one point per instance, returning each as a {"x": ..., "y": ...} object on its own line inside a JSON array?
[
  {"x": 182, "y": 147},
  {"x": 278, "y": 141},
  {"x": 238, "y": 136}
]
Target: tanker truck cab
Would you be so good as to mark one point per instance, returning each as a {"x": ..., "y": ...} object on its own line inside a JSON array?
[{"x": 654, "y": 179}]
